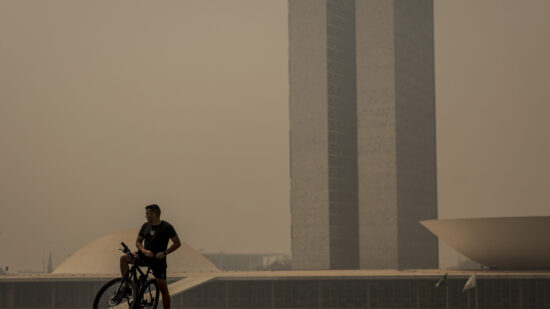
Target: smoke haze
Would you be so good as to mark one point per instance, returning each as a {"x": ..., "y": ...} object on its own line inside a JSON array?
[{"x": 107, "y": 106}]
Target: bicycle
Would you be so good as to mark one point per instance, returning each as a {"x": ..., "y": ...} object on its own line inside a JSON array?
[{"x": 144, "y": 292}]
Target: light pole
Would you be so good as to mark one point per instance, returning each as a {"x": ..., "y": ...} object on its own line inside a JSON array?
[{"x": 44, "y": 255}]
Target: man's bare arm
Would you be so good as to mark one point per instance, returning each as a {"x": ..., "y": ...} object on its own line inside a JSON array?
[
  {"x": 139, "y": 243},
  {"x": 175, "y": 244}
]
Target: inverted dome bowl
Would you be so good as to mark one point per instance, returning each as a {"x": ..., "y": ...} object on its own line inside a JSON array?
[{"x": 513, "y": 243}]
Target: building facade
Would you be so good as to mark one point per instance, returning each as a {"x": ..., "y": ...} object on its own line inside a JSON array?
[{"x": 362, "y": 134}]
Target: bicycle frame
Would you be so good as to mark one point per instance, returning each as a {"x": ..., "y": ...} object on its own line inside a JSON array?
[
  {"x": 132, "y": 273},
  {"x": 144, "y": 291}
]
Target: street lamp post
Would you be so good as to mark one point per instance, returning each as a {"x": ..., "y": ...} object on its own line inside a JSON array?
[{"x": 44, "y": 256}]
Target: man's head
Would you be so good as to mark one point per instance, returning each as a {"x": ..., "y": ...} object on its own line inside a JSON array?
[{"x": 152, "y": 212}]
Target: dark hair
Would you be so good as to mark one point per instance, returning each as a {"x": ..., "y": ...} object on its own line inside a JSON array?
[{"x": 154, "y": 208}]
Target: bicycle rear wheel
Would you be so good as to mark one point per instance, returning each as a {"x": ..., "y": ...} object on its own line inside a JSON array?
[
  {"x": 149, "y": 295},
  {"x": 105, "y": 297}
]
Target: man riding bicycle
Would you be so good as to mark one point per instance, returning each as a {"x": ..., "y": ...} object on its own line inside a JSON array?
[{"x": 156, "y": 234}]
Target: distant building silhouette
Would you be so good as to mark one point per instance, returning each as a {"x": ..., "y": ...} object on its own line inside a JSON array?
[
  {"x": 247, "y": 261},
  {"x": 362, "y": 134}
]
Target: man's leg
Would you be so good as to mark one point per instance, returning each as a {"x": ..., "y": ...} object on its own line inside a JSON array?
[
  {"x": 126, "y": 290},
  {"x": 163, "y": 287},
  {"x": 125, "y": 260}
]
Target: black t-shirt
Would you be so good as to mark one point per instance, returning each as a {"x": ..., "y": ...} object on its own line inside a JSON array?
[{"x": 157, "y": 236}]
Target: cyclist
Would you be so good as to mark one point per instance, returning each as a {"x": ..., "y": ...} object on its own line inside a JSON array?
[{"x": 156, "y": 234}]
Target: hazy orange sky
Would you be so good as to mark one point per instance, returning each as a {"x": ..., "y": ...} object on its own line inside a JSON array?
[
  {"x": 108, "y": 106},
  {"x": 492, "y": 101}
]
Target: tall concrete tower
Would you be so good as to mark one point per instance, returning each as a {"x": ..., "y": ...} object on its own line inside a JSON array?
[
  {"x": 323, "y": 135},
  {"x": 362, "y": 133}
]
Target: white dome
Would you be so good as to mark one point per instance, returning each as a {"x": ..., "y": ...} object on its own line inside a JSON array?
[
  {"x": 502, "y": 243},
  {"x": 101, "y": 257}
]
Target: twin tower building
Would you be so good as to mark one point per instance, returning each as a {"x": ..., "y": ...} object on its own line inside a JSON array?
[{"x": 362, "y": 134}]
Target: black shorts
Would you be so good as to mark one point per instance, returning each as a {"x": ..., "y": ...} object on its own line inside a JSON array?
[{"x": 158, "y": 266}]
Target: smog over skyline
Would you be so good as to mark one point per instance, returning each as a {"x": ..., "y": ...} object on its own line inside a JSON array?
[{"x": 106, "y": 107}]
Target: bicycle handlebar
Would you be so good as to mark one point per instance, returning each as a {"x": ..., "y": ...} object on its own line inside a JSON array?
[{"x": 126, "y": 250}]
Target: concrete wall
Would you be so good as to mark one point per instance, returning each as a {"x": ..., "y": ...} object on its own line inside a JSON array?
[
  {"x": 415, "y": 132},
  {"x": 402, "y": 292},
  {"x": 323, "y": 134},
  {"x": 396, "y": 133},
  {"x": 362, "y": 140},
  {"x": 308, "y": 134},
  {"x": 342, "y": 135},
  {"x": 376, "y": 136},
  {"x": 45, "y": 293}
]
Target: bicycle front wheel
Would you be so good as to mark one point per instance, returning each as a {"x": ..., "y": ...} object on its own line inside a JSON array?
[
  {"x": 149, "y": 295},
  {"x": 111, "y": 295}
]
